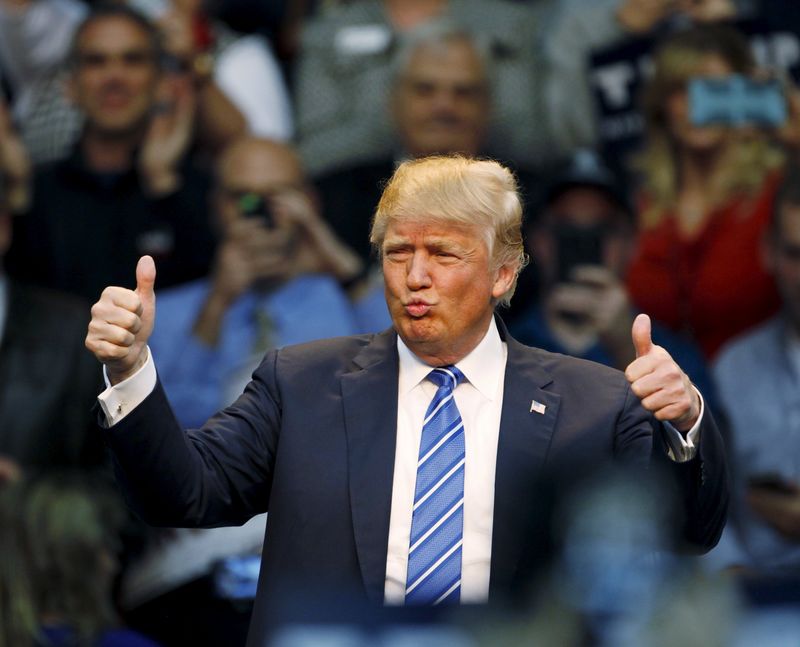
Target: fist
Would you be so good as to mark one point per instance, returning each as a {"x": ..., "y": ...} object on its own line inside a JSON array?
[
  {"x": 122, "y": 321},
  {"x": 659, "y": 382}
]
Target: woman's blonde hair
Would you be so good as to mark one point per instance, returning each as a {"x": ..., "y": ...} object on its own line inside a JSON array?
[
  {"x": 747, "y": 159},
  {"x": 454, "y": 189},
  {"x": 60, "y": 548}
]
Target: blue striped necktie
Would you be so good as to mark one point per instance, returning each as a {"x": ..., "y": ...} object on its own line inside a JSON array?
[{"x": 437, "y": 523}]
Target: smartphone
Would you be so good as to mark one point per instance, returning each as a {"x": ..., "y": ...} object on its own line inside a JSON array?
[
  {"x": 253, "y": 205},
  {"x": 578, "y": 246},
  {"x": 737, "y": 100},
  {"x": 771, "y": 481}
]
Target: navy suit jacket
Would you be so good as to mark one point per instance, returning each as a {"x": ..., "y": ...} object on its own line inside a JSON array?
[{"x": 312, "y": 440}]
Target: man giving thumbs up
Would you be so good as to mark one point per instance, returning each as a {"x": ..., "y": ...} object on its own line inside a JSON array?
[
  {"x": 661, "y": 385},
  {"x": 122, "y": 321}
]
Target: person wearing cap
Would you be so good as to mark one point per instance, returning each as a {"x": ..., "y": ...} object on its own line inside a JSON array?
[{"x": 582, "y": 240}]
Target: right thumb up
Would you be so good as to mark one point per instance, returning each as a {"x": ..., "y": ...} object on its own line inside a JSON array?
[{"x": 145, "y": 283}]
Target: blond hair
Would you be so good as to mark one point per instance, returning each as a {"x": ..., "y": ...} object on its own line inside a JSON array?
[
  {"x": 454, "y": 189},
  {"x": 748, "y": 157}
]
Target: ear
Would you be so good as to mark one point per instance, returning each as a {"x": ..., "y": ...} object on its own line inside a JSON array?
[{"x": 504, "y": 279}]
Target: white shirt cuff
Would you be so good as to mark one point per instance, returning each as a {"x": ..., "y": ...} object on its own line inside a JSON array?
[
  {"x": 119, "y": 400},
  {"x": 682, "y": 447}
]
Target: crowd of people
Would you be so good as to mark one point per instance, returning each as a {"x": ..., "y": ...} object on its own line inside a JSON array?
[{"x": 245, "y": 150}]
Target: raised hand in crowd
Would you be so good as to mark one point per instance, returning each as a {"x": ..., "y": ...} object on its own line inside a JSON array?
[
  {"x": 641, "y": 16},
  {"x": 594, "y": 304},
  {"x": 318, "y": 250},
  {"x": 10, "y": 470},
  {"x": 168, "y": 138},
  {"x": 122, "y": 321},
  {"x": 15, "y": 164},
  {"x": 657, "y": 380}
]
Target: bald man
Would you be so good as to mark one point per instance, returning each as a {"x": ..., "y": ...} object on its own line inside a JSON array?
[{"x": 277, "y": 267}]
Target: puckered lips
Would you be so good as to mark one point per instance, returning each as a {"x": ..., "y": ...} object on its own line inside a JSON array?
[{"x": 417, "y": 307}]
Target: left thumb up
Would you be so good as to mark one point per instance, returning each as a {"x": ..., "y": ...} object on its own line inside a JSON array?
[{"x": 641, "y": 335}]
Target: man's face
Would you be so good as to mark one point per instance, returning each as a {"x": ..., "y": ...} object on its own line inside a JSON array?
[
  {"x": 116, "y": 75},
  {"x": 261, "y": 170},
  {"x": 441, "y": 103},
  {"x": 783, "y": 259},
  {"x": 587, "y": 214},
  {"x": 440, "y": 287}
]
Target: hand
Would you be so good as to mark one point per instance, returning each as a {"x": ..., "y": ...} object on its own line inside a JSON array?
[
  {"x": 15, "y": 164},
  {"x": 168, "y": 138},
  {"x": 599, "y": 303},
  {"x": 177, "y": 33},
  {"x": 122, "y": 321},
  {"x": 10, "y": 471},
  {"x": 789, "y": 133},
  {"x": 708, "y": 10},
  {"x": 641, "y": 16},
  {"x": 659, "y": 382},
  {"x": 250, "y": 252},
  {"x": 781, "y": 510},
  {"x": 318, "y": 249}
]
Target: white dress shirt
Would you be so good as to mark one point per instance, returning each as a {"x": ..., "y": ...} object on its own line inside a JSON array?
[{"x": 480, "y": 400}]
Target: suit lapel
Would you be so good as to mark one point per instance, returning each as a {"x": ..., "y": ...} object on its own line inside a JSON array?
[
  {"x": 369, "y": 395},
  {"x": 528, "y": 418}
]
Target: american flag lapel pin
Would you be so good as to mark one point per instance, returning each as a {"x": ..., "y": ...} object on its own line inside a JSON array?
[{"x": 537, "y": 407}]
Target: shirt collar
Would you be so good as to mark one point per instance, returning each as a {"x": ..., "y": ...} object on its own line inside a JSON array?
[{"x": 482, "y": 368}]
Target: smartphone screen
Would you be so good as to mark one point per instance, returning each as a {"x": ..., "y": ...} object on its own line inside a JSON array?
[
  {"x": 253, "y": 205},
  {"x": 578, "y": 246},
  {"x": 737, "y": 101}
]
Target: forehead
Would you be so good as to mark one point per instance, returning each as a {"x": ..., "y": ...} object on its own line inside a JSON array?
[
  {"x": 260, "y": 168},
  {"x": 454, "y": 60},
  {"x": 424, "y": 232},
  {"x": 113, "y": 34}
]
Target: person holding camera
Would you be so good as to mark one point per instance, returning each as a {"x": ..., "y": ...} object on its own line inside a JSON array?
[
  {"x": 708, "y": 189},
  {"x": 277, "y": 266},
  {"x": 582, "y": 240}
]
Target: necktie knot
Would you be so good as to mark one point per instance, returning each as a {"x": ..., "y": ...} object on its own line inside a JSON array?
[{"x": 448, "y": 376}]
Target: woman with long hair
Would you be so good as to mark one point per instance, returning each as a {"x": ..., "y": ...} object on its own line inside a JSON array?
[{"x": 707, "y": 195}]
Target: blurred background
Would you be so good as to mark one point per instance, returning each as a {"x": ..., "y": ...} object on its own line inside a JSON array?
[{"x": 244, "y": 145}]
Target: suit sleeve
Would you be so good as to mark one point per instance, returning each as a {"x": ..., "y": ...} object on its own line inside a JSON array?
[
  {"x": 220, "y": 474},
  {"x": 701, "y": 484}
]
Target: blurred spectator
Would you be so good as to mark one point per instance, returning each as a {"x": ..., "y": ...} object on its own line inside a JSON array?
[
  {"x": 59, "y": 538},
  {"x": 127, "y": 188},
  {"x": 707, "y": 195},
  {"x": 758, "y": 377},
  {"x": 581, "y": 244},
  {"x": 50, "y": 122},
  {"x": 48, "y": 382},
  {"x": 440, "y": 104},
  {"x": 242, "y": 67},
  {"x": 277, "y": 267},
  {"x": 583, "y": 26},
  {"x": 344, "y": 76},
  {"x": 35, "y": 36}
]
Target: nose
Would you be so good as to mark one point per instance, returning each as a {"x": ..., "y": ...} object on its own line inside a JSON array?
[{"x": 418, "y": 274}]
